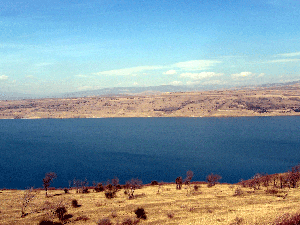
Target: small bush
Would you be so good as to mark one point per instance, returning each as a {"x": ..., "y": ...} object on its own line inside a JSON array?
[
  {"x": 154, "y": 182},
  {"x": 99, "y": 188},
  {"x": 170, "y": 215},
  {"x": 288, "y": 219},
  {"x": 60, "y": 212},
  {"x": 66, "y": 190},
  {"x": 238, "y": 192},
  {"x": 105, "y": 221},
  {"x": 75, "y": 203},
  {"x": 129, "y": 221},
  {"x": 140, "y": 213},
  {"x": 110, "y": 194},
  {"x": 82, "y": 218},
  {"x": 48, "y": 222},
  {"x": 272, "y": 191},
  {"x": 237, "y": 221},
  {"x": 178, "y": 182},
  {"x": 196, "y": 187},
  {"x": 213, "y": 179}
]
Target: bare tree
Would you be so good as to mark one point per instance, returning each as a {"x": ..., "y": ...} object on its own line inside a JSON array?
[
  {"x": 178, "y": 182},
  {"x": 189, "y": 176},
  {"x": 49, "y": 177},
  {"x": 213, "y": 179}
]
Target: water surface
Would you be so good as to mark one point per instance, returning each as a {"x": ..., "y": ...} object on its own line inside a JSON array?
[{"x": 146, "y": 148}]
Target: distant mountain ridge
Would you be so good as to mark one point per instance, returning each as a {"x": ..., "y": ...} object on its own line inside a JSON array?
[{"x": 115, "y": 91}]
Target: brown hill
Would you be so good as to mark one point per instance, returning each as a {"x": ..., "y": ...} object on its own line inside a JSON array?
[{"x": 268, "y": 101}]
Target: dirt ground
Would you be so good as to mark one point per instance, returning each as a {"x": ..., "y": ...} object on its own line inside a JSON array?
[{"x": 163, "y": 204}]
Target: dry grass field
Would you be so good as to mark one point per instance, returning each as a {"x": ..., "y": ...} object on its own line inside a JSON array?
[
  {"x": 163, "y": 204},
  {"x": 272, "y": 101}
]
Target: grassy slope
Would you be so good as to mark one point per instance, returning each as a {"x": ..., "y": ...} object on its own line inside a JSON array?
[{"x": 215, "y": 205}]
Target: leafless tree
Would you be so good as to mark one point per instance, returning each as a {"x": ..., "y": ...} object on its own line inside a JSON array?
[{"x": 49, "y": 177}]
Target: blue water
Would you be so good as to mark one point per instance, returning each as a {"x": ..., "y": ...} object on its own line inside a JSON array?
[{"x": 146, "y": 148}]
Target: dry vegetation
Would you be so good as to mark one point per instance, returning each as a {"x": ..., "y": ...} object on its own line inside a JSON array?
[
  {"x": 275, "y": 101},
  {"x": 265, "y": 199}
]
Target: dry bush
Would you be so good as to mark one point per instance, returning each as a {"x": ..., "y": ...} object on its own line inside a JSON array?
[
  {"x": 170, "y": 215},
  {"x": 99, "y": 187},
  {"x": 213, "y": 179},
  {"x": 288, "y": 219},
  {"x": 140, "y": 213},
  {"x": 237, "y": 221},
  {"x": 178, "y": 182},
  {"x": 272, "y": 191},
  {"x": 238, "y": 192},
  {"x": 82, "y": 218},
  {"x": 75, "y": 203},
  {"x": 28, "y": 196},
  {"x": 130, "y": 221},
  {"x": 60, "y": 212},
  {"x": 131, "y": 186},
  {"x": 104, "y": 221},
  {"x": 48, "y": 222}
]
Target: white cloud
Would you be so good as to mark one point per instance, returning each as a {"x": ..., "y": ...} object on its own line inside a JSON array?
[
  {"x": 283, "y": 60},
  {"x": 135, "y": 83},
  {"x": 192, "y": 65},
  {"x": 242, "y": 75},
  {"x": 292, "y": 54},
  {"x": 3, "y": 77},
  {"x": 202, "y": 75},
  {"x": 170, "y": 72},
  {"x": 176, "y": 83},
  {"x": 129, "y": 71},
  {"x": 196, "y": 64}
]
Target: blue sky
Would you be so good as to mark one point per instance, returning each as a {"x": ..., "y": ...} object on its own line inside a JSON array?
[{"x": 51, "y": 46}]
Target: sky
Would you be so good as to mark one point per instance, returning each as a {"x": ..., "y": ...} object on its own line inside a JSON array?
[{"x": 54, "y": 46}]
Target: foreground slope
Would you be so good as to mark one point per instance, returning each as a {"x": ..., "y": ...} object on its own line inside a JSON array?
[
  {"x": 163, "y": 204},
  {"x": 271, "y": 101}
]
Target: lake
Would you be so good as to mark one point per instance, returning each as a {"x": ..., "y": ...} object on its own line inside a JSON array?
[{"x": 145, "y": 148}]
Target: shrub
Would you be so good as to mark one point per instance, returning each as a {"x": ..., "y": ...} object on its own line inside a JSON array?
[
  {"x": 154, "y": 182},
  {"x": 272, "y": 191},
  {"x": 196, "y": 187},
  {"x": 60, "y": 212},
  {"x": 238, "y": 192},
  {"x": 131, "y": 186},
  {"x": 28, "y": 196},
  {"x": 140, "y": 213},
  {"x": 129, "y": 221},
  {"x": 189, "y": 176},
  {"x": 48, "y": 222},
  {"x": 237, "y": 221},
  {"x": 105, "y": 221},
  {"x": 85, "y": 190},
  {"x": 75, "y": 203},
  {"x": 178, "y": 182},
  {"x": 170, "y": 215},
  {"x": 110, "y": 194},
  {"x": 213, "y": 179},
  {"x": 288, "y": 219},
  {"x": 82, "y": 218},
  {"x": 48, "y": 179},
  {"x": 99, "y": 187},
  {"x": 66, "y": 190}
]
